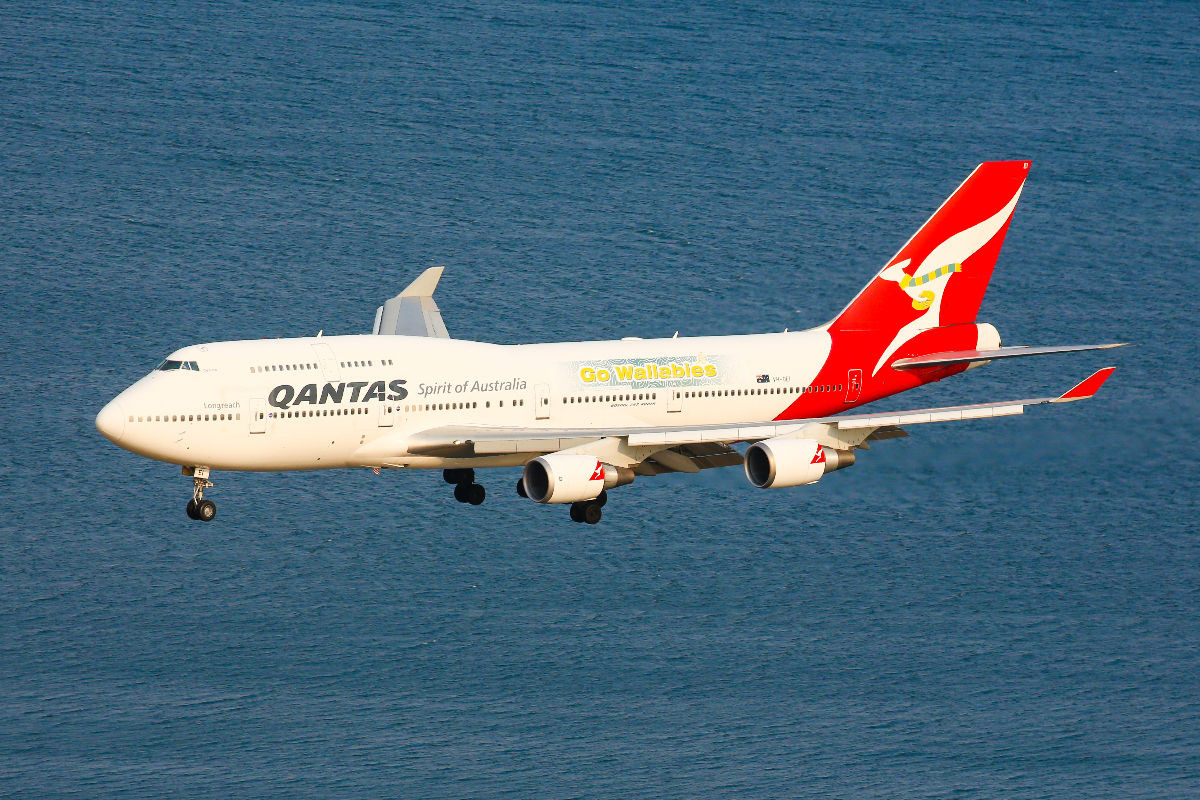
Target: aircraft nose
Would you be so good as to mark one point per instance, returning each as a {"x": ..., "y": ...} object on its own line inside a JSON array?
[{"x": 111, "y": 421}]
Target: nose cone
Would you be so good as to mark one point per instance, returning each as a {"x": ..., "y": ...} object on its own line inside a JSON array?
[{"x": 111, "y": 422}]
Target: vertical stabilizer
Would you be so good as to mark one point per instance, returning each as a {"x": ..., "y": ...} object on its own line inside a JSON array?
[{"x": 940, "y": 275}]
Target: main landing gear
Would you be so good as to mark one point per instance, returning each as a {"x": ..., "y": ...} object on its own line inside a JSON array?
[
  {"x": 198, "y": 507},
  {"x": 466, "y": 490},
  {"x": 589, "y": 511}
]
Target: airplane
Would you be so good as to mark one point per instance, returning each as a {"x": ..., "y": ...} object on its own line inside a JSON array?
[{"x": 582, "y": 418}]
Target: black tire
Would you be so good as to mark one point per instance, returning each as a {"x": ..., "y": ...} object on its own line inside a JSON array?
[
  {"x": 602, "y": 498},
  {"x": 191, "y": 509},
  {"x": 460, "y": 492},
  {"x": 592, "y": 512},
  {"x": 475, "y": 494},
  {"x": 206, "y": 510},
  {"x": 521, "y": 488},
  {"x": 577, "y": 512}
]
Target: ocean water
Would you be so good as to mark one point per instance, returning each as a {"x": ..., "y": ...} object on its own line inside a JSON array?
[{"x": 1004, "y": 609}]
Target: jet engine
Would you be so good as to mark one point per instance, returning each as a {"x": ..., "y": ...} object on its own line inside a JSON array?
[
  {"x": 570, "y": 478},
  {"x": 776, "y": 463}
]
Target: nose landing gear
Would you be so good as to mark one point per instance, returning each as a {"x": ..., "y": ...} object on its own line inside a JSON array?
[{"x": 199, "y": 508}]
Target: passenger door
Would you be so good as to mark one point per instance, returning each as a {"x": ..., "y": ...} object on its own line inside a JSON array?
[
  {"x": 853, "y": 385},
  {"x": 258, "y": 415},
  {"x": 387, "y": 413},
  {"x": 329, "y": 364}
]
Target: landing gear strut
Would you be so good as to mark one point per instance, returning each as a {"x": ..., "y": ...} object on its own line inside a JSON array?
[
  {"x": 589, "y": 511},
  {"x": 466, "y": 490},
  {"x": 198, "y": 507}
]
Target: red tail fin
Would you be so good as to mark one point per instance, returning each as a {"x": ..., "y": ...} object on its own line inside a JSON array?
[{"x": 938, "y": 278}]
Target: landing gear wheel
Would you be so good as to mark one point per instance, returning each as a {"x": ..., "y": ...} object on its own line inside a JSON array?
[
  {"x": 460, "y": 492},
  {"x": 521, "y": 488},
  {"x": 198, "y": 507},
  {"x": 206, "y": 510},
  {"x": 475, "y": 493},
  {"x": 588, "y": 511}
]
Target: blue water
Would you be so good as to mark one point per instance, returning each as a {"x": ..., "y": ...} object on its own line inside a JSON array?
[{"x": 1004, "y": 609}]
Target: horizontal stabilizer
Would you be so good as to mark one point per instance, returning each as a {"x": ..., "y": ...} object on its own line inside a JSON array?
[
  {"x": 413, "y": 312},
  {"x": 967, "y": 356}
]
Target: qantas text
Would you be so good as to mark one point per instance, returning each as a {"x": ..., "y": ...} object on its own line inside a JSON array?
[{"x": 285, "y": 396}]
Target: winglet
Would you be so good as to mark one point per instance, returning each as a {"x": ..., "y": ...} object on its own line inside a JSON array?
[
  {"x": 1088, "y": 386},
  {"x": 413, "y": 312},
  {"x": 424, "y": 285}
]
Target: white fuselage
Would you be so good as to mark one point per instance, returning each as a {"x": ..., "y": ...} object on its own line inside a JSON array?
[{"x": 347, "y": 401}]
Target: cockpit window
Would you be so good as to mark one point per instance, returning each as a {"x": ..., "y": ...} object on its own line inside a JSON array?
[{"x": 170, "y": 364}]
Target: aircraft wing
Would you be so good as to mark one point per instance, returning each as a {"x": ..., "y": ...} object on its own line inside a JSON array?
[
  {"x": 413, "y": 312},
  {"x": 696, "y": 443}
]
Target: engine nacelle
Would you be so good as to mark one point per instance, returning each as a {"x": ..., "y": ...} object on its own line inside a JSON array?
[
  {"x": 570, "y": 478},
  {"x": 776, "y": 463}
]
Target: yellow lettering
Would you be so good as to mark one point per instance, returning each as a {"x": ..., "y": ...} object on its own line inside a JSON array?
[
  {"x": 639, "y": 374},
  {"x": 624, "y": 372},
  {"x": 587, "y": 375},
  {"x": 602, "y": 375},
  {"x": 697, "y": 371},
  {"x": 678, "y": 371},
  {"x": 710, "y": 370}
]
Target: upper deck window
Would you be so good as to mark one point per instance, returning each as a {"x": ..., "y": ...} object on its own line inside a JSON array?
[{"x": 170, "y": 364}]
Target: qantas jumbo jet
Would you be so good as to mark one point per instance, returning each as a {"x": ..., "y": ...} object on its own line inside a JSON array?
[{"x": 584, "y": 417}]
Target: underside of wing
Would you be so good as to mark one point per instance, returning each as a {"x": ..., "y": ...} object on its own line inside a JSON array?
[{"x": 689, "y": 458}]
